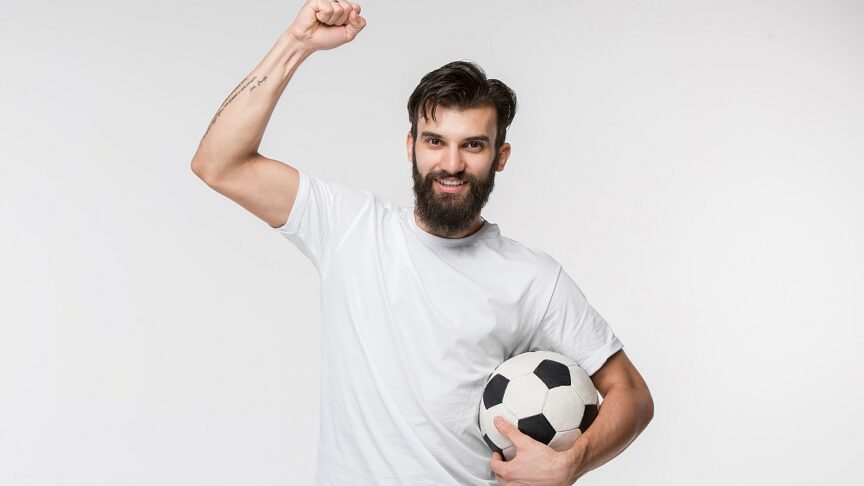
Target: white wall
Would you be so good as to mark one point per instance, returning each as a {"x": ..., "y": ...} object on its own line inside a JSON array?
[{"x": 696, "y": 166}]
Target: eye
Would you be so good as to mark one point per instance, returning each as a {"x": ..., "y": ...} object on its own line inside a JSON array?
[
  {"x": 476, "y": 145},
  {"x": 433, "y": 141}
]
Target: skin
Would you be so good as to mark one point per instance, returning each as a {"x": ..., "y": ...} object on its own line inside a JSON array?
[{"x": 447, "y": 146}]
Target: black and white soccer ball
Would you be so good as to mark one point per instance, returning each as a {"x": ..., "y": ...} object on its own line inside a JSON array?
[{"x": 545, "y": 394}]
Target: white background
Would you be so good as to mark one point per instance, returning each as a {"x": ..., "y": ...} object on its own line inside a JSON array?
[{"x": 696, "y": 166}]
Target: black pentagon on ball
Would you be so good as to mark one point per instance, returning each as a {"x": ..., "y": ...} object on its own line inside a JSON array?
[
  {"x": 553, "y": 373},
  {"x": 588, "y": 417},
  {"x": 538, "y": 427},
  {"x": 494, "y": 392}
]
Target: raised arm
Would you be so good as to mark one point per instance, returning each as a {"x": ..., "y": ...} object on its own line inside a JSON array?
[{"x": 227, "y": 158}]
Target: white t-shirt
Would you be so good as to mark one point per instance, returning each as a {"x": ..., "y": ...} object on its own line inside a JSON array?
[{"x": 412, "y": 326}]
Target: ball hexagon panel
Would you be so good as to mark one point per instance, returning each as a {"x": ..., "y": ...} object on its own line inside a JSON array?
[
  {"x": 564, "y": 408},
  {"x": 525, "y": 395},
  {"x": 564, "y": 439}
]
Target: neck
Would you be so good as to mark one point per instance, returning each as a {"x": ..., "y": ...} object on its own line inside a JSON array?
[{"x": 473, "y": 228}]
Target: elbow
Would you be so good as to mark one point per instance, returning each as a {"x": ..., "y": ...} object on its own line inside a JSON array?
[
  {"x": 204, "y": 160},
  {"x": 212, "y": 168},
  {"x": 195, "y": 170},
  {"x": 197, "y": 167},
  {"x": 202, "y": 169},
  {"x": 647, "y": 407}
]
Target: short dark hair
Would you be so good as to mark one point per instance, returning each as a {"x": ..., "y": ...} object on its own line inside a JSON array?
[{"x": 462, "y": 84}]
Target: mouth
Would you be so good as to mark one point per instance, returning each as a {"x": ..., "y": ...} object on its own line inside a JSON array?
[{"x": 451, "y": 188}]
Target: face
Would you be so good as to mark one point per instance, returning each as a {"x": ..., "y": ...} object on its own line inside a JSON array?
[{"x": 457, "y": 146}]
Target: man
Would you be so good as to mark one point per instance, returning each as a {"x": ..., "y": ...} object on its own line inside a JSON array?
[{"x": 420, "y": 305}]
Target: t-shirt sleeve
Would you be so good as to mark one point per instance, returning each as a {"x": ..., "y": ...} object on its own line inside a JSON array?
[
  {"x": 572, "y": 327},
  {"x": 324, "y": 211}
]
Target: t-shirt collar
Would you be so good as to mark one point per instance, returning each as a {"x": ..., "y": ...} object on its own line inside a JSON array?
[{"x": 441, "y": 241}]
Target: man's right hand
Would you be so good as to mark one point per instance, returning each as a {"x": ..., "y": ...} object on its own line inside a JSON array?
[{"x": 325, "y": 24}]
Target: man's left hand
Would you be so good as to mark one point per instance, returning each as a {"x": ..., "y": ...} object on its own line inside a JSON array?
[{"x": 534, "y": 464}]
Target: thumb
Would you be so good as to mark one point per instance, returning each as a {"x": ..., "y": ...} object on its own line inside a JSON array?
[
  {"x": 510, "y": 431},
  {"x": 355, "y": 23}
]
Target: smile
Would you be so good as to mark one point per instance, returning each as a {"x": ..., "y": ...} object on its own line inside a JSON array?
[{"x": 451, "y": 187}]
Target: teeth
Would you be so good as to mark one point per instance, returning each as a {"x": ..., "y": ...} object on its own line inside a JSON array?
[{"x": 451, "y": 183}]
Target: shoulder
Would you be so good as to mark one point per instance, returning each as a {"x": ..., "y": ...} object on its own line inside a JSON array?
[
  {"x": 344, "y": 196},
  {"x": 334, "y": 186},
  {"x": 518, "y": 250}
]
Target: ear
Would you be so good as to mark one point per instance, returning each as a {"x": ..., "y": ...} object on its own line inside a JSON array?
[
  {"x": 409, "y": 146},
  {"x": 503, "y": 155}
]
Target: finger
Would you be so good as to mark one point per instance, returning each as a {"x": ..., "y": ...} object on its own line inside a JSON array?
[
  {"x": 308, "y": 14},
  {"x": 498, "y": 466},
  {"x": 324, "y": 15},
  {"x": 510, "y": 431},
  {"x": 345, "y": 10},
  {"x": 338, "y": 11},
  {"x": 324, "y": 11}
]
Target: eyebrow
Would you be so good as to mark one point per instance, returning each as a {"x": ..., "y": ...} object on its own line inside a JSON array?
[{"x": 483, "y": 138}]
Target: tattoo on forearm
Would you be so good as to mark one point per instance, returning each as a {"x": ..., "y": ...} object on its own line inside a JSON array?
[{"x": 236, "y": 91}]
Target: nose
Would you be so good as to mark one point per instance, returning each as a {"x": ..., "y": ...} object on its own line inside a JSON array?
[{"x": 452, "y": 162}]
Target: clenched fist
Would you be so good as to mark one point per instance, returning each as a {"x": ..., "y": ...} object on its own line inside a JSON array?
[{"x": 325, "y": 24}]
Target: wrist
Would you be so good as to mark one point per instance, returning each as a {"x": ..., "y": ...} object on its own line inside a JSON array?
[
  {"x": 576, "y": 457},
  {"x": 296, "y": 44}
]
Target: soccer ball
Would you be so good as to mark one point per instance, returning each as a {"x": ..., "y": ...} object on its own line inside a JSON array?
[{"x": 545, "y": 394}]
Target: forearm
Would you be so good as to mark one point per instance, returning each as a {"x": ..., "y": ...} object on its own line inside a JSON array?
[
  {"x": 236, "y": 130},
  {"x": 623, "y": 415}
]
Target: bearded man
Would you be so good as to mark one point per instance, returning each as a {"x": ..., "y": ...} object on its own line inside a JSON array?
[{"x": 420, "y": 304}]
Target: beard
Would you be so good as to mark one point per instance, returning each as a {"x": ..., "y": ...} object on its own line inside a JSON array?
[{"x": 450, "y": 213}]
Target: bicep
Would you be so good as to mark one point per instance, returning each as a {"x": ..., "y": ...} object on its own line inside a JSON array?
[{"x": 265, "y": 187}]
